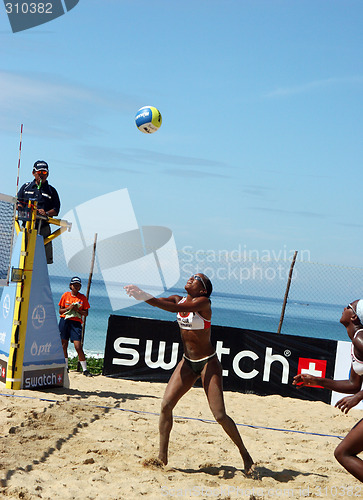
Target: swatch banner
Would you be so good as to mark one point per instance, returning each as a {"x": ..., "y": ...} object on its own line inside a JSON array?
[
  {"x": 43, "y": 378},
  {"x": 3, "y": 368},
  {"x": 256, "y": 362}
]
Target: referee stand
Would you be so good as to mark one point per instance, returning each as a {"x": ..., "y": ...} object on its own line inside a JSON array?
[{"x": 31, "y": 354}]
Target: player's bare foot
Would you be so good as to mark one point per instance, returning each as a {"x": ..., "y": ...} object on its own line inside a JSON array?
[
  {"x": 249, "y": 465},
  {"x": 163, "y": 458},
  {"x": 153, "y": 463}
]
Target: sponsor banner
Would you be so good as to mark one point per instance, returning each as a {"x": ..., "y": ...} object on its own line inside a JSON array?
[
  {"x": 42, "y": 378},
  {"x": 43, "y": 344},
  {"x": 343, "y": 364},
  {"x": 7, "y": 303},
  {"x": 3, "y": 368},
  {"x": 258, "y": 362}
]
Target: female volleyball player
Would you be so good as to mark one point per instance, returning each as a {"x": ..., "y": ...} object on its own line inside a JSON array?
[
  {"x": 199, "y": 360},
  {"x": 346, "y": 452}
]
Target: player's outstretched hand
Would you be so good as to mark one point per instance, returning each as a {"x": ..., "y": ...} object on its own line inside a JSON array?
[
  {"x": 304, "y": 380},
  {"x": 346, "y": 403},
  {"x": 137, "y": 293}
]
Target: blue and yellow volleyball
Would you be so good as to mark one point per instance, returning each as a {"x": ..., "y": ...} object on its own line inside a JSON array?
[{"x": 148, "y": 119}]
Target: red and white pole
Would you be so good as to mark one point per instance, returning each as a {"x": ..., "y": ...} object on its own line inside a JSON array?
[{"x": 17, "y": 180}]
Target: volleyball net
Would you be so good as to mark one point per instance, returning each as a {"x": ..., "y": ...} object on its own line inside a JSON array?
[{"x": 7, "y": 219}]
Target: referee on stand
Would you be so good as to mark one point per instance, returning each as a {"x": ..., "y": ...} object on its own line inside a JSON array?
[{"x": 48, "y": 202}]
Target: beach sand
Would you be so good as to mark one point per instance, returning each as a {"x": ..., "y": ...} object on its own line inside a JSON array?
[{"x": 99, "y": 440}]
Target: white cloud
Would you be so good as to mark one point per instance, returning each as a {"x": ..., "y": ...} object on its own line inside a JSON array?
[
  {"x": 52, "y": 106},
  {"x": 314, "y": 85},
  {"x": 192, "y": 167}
]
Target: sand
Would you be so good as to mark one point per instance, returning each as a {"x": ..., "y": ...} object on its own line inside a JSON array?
[{"x": 99, "y": 440}]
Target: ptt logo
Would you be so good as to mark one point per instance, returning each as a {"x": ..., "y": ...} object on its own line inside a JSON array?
[
  {"x": 38, "y": 316},
  {"x": 315, "y": 367},
  {"x": 36, "y": 350},
  {"x": 30, "y": 13}
]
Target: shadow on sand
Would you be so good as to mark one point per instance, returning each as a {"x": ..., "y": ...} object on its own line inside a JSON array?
[{"x": 259, "y": 472}]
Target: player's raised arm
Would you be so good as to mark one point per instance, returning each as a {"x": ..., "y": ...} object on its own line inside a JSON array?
[{"x": 161, "y": 302}]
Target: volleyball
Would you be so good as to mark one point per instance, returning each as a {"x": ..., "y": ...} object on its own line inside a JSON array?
[{"x": 148, "y": 119}]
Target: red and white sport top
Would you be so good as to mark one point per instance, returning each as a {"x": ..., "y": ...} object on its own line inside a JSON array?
[
  {"x": 192, "y": 320},
  {"x": 357, "y": 365}
]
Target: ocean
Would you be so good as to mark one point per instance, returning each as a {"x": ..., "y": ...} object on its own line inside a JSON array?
[{"x": 309, "y": 319}]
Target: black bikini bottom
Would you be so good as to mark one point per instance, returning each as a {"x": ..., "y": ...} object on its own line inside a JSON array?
[{"x": 197, "y": 365}]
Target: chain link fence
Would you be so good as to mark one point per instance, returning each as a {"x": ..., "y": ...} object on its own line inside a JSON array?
[
  {"x": 249, "y": 285},
  {"x": 249, "y": 290}
]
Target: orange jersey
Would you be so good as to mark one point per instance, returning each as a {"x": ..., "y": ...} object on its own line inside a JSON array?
[{"x": 67, "y": 299}]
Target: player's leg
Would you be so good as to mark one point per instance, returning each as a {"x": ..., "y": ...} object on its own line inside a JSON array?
[
  {"x": 346, "y": 452},
  {"x": 213, "y": 387},
  {"x": 179, "y": 384}
]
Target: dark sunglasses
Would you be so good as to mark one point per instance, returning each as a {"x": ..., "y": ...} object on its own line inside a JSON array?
[
  {"x": 349, "y": 306},
  {"x": 197, "y": 277}
]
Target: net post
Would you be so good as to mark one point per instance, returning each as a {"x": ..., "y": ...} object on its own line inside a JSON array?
[
  {"x": 88, "y": 292},
  {"x": 287, "y": 292}
]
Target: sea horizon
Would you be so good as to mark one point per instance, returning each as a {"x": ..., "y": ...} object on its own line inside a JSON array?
[{"x": 251, "y": 312}]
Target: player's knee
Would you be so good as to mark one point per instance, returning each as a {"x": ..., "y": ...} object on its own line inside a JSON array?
[
  {"x": 166, "y": 406},
  {"x": 220, "y": 416},
  {"x": 339, "y": 454}
]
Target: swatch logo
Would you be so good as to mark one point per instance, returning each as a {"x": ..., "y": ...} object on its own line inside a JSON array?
[{"x": 24, "y": 15}]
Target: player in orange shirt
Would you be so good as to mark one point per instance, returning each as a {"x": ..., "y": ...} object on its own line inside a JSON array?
[{"x": 73, "y": 306}]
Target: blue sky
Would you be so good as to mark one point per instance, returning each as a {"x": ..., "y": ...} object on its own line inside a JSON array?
[{"x": 261, "y": 141}]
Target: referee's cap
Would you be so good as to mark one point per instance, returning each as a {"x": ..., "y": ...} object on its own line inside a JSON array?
[
  {"x": 75, "y": 280},
  {"x": 40, "y": 165}
]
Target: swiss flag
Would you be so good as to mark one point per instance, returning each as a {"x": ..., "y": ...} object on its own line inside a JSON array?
[{"x": 316, "y": 367}]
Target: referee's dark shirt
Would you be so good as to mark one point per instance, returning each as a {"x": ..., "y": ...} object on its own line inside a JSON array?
[{"x": 47, "y": 196}]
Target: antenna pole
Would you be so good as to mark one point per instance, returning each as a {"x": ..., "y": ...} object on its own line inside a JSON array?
[{"x": 17, "y": 180}]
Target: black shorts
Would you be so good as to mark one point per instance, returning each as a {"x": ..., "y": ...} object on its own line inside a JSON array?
[
  {"x": 197, "y": 365},
  {"x": 70, "y": 329}
]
